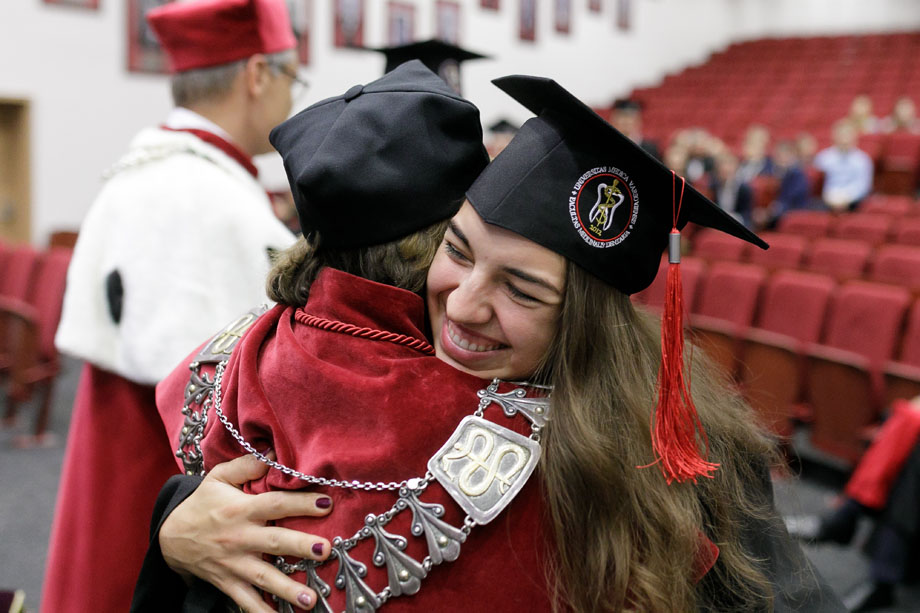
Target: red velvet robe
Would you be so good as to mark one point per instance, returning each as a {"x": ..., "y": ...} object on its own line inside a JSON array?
[
  {"x": 116, "y": 460},
  {"x": 344, "y": 407}
]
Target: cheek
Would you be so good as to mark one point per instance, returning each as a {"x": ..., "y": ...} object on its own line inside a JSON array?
[{"x": 532, "y": 334}]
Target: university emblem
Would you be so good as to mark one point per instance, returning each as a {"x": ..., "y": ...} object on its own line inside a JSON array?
[{"x": 603, "y": 206}]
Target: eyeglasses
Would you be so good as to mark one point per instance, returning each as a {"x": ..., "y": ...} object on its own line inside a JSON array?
[{"x": 298, "y": 85}]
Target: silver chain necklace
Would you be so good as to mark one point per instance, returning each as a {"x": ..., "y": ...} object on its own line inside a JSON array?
[{"x": 469, "y": 466}]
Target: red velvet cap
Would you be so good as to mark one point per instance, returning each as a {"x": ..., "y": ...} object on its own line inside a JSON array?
[{"x": 213, "y": 32}]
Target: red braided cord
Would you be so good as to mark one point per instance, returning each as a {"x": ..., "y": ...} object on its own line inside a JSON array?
[{"x": 375, "y": 335}]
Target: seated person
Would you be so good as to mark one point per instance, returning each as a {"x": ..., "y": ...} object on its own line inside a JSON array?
[{"x": 847, "y": 170}]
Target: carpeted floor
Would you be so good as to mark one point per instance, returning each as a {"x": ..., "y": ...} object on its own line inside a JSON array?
[{"x": 28, "y": 485}]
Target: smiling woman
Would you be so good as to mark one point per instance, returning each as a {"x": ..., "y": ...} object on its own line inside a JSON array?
[
  {"x": 493, "y": 299},
  {"x": 532, "y": 281}
]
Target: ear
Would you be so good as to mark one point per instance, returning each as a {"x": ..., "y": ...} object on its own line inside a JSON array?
[{"x": 257, "y": 75}]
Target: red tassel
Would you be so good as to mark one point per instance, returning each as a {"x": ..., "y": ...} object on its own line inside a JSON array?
[{"x": 676, "y": 428}]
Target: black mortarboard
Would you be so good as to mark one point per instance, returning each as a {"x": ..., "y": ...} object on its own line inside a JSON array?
[
  {"x": 441, "y": 58},
  {"x": 503, "y": 126},
  {"x": 383, "y": 160},
  {"x": 574, "y": 184}
]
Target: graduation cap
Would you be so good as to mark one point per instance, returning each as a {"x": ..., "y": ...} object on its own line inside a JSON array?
[
  {"x": 383, "y": 160},
  {"x": 440, "y": 57},
  {"x": 572, "y": 183}
]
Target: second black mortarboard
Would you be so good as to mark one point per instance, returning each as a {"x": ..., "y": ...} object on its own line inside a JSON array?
[
  {"x": 441, "y": 58},
  {"x": 382, "y": 160},
  {"x": 574, "y": 184}
]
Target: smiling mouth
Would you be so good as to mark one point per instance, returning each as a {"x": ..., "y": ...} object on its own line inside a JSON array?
[{"x": 468, "y": 346}]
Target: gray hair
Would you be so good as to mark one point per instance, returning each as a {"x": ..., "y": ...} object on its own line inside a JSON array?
[{"x": 212, "y": 83}]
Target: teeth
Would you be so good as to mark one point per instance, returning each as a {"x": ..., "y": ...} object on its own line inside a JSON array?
[{"x": 464, "y": 344}]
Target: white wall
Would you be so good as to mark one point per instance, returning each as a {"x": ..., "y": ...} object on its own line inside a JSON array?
[{"x": 70, "y": 63}]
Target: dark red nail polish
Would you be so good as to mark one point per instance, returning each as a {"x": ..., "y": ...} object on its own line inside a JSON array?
[
  {"x": 324, "y": 503},
  {"x": 317, "y": 549}
]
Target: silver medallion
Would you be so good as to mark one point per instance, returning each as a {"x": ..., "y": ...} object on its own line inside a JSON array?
[{"x": 483, "y": 466}]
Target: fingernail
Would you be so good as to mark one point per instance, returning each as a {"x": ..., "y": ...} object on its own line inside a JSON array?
[
  {"x": 304, "y": 599},
  {"x": 324, "y": 503},
  {"x": 317, "y": 549}
]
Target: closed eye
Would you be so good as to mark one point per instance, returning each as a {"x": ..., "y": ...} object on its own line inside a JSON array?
[
  {"x": 519, "y": 294},
  {"x": 454, "y": 252}
]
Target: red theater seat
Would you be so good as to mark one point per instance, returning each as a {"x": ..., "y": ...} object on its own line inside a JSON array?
[
  {"x": 897, "y": 264},
  {"x": 844, "y": 259},
  {"x": 812, "y": 224},
  {"x": 714, "y": 245},
  {"x": 907, "y": 231},
  {"x": 786, "y": 250},
  {"x": 791, "y": 316},
  {"x": 869, "y": 227},
  {"x": 31, "y": 326},
  {"x": 902, "y": 377},
  {"x": 718, "y": 322},
  {"x": 844, "y": 383},
  {"x": 889, "y": 204},
  {"x": 691, "y": 270}
]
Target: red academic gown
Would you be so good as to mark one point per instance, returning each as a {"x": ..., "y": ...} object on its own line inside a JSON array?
[
  {"x": 344, "y": 407},
  {"x": 117, "y": 458}
]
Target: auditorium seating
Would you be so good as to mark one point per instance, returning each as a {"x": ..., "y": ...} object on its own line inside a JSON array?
[
  {"x": 725, "y": 305},
  {"x": 786, "y": 250},
  {"x": 812, "y": 224},
  {"x": 14, "y": 286},
  {"x": 868, "y": 227},
  {"x": 844, "y": 259},
  {"x": 691, "y": 270},
  {"x": 714, "y": 245},
  {"x": 896, "y": 206},
  {"x": 31, "y": 293},
  {"x": 795, "y": 85},
  {"x": 902, "y": 376},
  {"x": 844, "y": 384},
  {"x": 897, "y": 264},
  {"x": 31, "y": 326},
  {"x": 907, "y": 231},
  {"x": 772, "y": 354}
]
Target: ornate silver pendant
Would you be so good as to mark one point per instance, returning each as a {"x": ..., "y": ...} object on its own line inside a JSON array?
[{"x": 483, "y": 466}]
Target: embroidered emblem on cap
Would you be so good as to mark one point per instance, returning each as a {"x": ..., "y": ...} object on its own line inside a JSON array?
[{"x": 603, "y": 206}]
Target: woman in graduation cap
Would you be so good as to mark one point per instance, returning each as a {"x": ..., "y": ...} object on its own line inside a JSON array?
[{"x": 647, "y": 498}]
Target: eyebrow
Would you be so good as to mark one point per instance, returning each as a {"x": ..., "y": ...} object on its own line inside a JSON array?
[
  {"x": 515, "y": 272},
  {"x": 529, "y": 278},
  {"x": 453, "y": 228}
]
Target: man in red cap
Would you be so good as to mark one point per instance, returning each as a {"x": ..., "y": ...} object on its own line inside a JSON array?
[{"x": 136, "y": 302}]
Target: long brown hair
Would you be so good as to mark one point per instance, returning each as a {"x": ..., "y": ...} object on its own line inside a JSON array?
[
  {"x": 402, "y": 263},
  {"x": 625, "y": 540}
]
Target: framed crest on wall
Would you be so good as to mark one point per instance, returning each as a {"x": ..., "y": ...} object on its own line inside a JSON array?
[
  {"x": 624, "y": 14},
  {"x": 447, "y": 21},
  {"x": 400, "y": 23},
  {"x": 562, "y": 15},
  {"x": 301, "y": 12},
  {"x": 144, "y": 51},
  {"x": 349, "y": 23},
  {"x": 489, "y": 4},
  {"x": 594, "y": 6},
  {"x": 83, "y": 4},
  {"x": 528, "y": 20}
]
